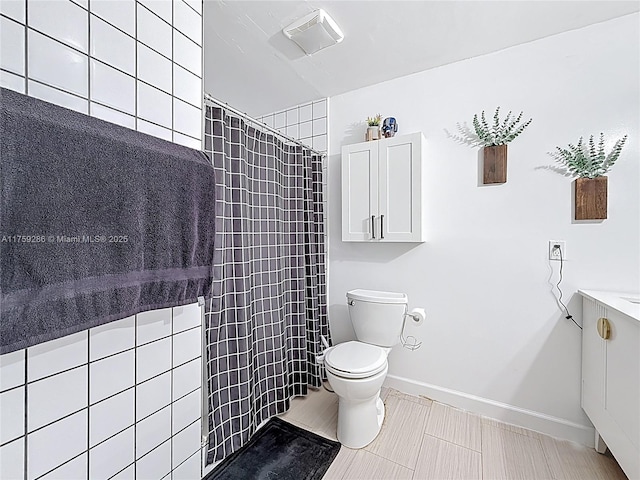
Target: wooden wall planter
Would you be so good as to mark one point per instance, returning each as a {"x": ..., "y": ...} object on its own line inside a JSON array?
[
  {"x": 591, "y": 198},
  {"x": 494, "y": 168}
]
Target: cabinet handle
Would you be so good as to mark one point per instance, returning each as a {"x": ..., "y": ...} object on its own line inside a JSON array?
[
  {"x": 604, "y": 328},
  {"x": 381, "y": 226},
  {"x": 373, "y": 226}
]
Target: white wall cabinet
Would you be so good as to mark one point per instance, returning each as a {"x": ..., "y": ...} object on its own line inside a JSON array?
[
  {"x": 382, "y": 197},
  {"x": 611, "y": 376}
]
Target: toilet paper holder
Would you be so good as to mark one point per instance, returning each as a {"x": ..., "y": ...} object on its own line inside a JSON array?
[{"x": 417, "y": 315}]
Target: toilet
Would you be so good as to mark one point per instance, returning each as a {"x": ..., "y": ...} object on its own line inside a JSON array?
[{"x": 356, "y": 370}]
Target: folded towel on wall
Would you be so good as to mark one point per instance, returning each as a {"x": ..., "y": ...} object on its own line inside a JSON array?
[{"x": 97, "y": 222}]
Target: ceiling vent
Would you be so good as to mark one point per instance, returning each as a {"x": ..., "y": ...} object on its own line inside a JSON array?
[{"x": 314, "y": 32}]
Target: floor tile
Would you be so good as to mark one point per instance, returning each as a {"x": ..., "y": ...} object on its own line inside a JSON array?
[
  {"x": 571, "y": 461},
  {"x": 340, "y": 464},
  {"x": 317, "y": 412},
  {"x": 455, "y": 426},
  {"x": 401, "y": 434},
  {"x": 510, "y": 456},
  {"x": 367, "y": 466},
  {"x": 442, "y": 460}
]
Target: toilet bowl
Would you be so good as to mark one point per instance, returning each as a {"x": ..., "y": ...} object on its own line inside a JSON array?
[{"x": 356, "y": 372}]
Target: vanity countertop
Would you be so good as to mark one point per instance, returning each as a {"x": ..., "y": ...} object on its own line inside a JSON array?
[{"x": 625, "y": 303}]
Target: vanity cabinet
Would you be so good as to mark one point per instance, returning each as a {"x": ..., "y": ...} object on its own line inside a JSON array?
[
  {"x": 611, "y": 375},
  {"x": 382, "y": 190}
]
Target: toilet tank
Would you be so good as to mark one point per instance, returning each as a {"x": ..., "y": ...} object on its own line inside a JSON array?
[{"x": 376, "y": 316}]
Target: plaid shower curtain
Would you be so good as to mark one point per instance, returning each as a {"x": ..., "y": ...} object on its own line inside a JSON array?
[{"x": 268, "y": 306}]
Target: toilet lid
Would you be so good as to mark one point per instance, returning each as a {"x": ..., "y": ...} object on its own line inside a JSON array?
[{"x": 356, "y": 359}]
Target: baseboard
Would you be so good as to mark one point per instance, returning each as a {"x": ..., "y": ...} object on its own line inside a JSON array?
[{"x": 540, "y": 422}]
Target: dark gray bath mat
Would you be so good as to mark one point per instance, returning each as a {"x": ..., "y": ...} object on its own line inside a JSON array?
[{"x": 279, "y": 451}]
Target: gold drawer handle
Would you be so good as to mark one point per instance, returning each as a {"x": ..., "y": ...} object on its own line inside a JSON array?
[{"x": 604, "y": 328}]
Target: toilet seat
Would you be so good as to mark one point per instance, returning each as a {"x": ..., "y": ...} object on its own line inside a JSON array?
[{"x": 355, "y": 360}]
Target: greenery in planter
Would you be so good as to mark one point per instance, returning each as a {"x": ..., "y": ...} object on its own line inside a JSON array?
[
  {"x": 588, "y": 161},
  {"x": 374, "y": 121},
  {"x": 500, "y": 132}
]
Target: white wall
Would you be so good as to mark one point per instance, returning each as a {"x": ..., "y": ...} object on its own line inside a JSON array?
[
  {"x": 495, "y": 340},
  {"x": 122, "y": 399}
]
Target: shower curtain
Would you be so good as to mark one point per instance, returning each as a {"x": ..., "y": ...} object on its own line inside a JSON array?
[{"x": 268, "y": 304}]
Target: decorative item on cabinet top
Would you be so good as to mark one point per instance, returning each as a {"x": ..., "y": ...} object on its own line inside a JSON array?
[
  {"x": 494, "y": 138},
  {"x": 373, "y": 128},
  {"x": 389, "y": 127},
  {"x": 382, "y": 197},
  {"x": 589, "y": 165}
]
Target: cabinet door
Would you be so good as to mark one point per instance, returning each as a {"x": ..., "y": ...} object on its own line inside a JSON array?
[
  {"x": 593, "y": 359},
  {"x": 360, "y": 192},
  {"x": 400, "y": 183},
  {"x": 622, "y": 391}
]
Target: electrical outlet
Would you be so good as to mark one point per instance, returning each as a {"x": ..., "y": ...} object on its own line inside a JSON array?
[{"x": 557, "y": 250}]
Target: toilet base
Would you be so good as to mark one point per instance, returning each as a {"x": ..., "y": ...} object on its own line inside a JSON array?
[{"x": 359, "y": 422}]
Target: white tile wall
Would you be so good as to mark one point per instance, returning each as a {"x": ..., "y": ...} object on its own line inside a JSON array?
[
  {"x": 112, "y": 338},
  {"x": 112, "y": 88},
  {"x": 121, "y": 14},
  {"x": 57, "y": 355},
  {"x": 153, "y": 31},
  {"x": 186, "y": 53},
  {"x": 111, "y": 375},
  {"x": 185, "y": 410},
  {"x": 186, "y": 378},
  {"x": 189, "y": 470},
  {"x": 12, "y": 81},
  {"x": 51, "y": 446},
  {"x": 112, "y": 46},
  {"x": 156, "y": 130},
  {"x": 111, "y": 416},
  {"x": 58, "y": 65},
  {"x": 153, "y": 325},
  {"x": 12, "y": 414},
  {"x": 59, "y": 97},
  {"x": 11, "y": 46},
  {"x": 12, "y": 368},
  {"x": 156, "y": 464},
  {"x": 153, "y": 430},
  {"x": 187, "y": 346},
  {"x": 12, "y": 460},
  {"x": 153, "y": 395},
  {"x": 112, "y": 456},
  {"x": 14, "y": 9},
  {"x": 154, "y": 105},
  {"x": 186, "y": 317},
  {"x": 101, "y": 429},
  {"x": 86, "y": 55},
  {"x": 64, "y": 21},
  {"x": 162, "y": 8},
  {"x": 113, "y": 116},
  {"x": 307, "y": 123},
  {"x": 55, "y": 397},
  {"x": 154, "y": 69},
  {"x": 87, "y": 393},
  {"x": 73, "y": 469},
  {"x": 185, "y": 443},
  {"x": 153, "y": 359}
]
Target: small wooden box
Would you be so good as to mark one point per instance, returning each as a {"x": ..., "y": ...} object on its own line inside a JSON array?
[
  {"x": 591, "y": 198},
  {"x": 494, "y": 164}
]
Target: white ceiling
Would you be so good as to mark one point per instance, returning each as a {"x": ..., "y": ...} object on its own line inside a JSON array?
[{"x": 251, "y": 65}]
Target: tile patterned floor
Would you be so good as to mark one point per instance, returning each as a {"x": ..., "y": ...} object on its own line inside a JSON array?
[{"x": 425, "y": 440}]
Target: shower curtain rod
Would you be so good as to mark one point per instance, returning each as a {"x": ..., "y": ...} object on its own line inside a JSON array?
[{"x": 248, "y": 117}]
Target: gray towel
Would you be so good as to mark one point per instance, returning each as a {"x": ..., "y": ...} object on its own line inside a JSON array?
[{"x": 97, "y": 222}]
